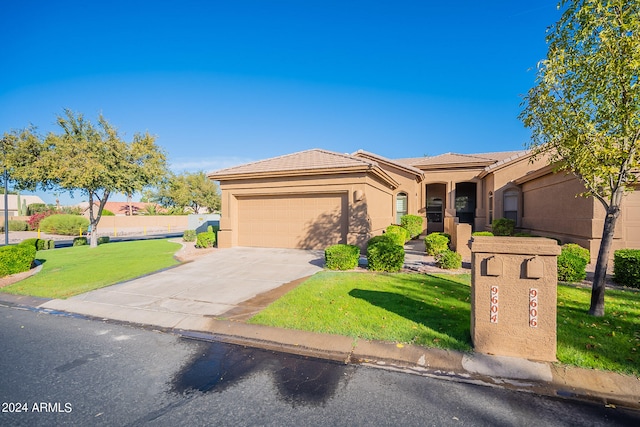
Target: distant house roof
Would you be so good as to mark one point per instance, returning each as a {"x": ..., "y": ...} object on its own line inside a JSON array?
[
  {"x": 13, "y": 201},
  {"x": 455, "y": 160},
  {"x": 315, "y": 162}
]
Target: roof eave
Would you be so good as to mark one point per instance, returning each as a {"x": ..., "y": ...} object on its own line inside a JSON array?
[{"x": 305, "y": 172}]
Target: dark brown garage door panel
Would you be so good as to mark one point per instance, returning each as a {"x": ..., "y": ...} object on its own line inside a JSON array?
[{"x": 311, "y": 221}]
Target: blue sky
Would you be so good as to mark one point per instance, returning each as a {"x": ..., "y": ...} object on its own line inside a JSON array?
[{"x": 225, "y": 82}]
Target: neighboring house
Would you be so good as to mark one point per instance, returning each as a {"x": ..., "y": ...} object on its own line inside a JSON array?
[
  {"x": 315, "y": 198},
  {"x": 121, "y": 208},
  {"x": 13, "y": 203}
]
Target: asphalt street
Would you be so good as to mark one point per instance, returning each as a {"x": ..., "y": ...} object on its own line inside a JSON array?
[{"x": 67, "y": 370}]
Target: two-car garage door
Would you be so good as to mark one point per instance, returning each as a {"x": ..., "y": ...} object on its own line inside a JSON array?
[{"x": 308, "y": 221}]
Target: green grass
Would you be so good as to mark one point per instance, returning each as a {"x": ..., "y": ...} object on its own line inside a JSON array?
[
  {"x": 406, "y": 308},
  {"x": 434, "y": 311},
  {"x": 71, "y": 271},
  {"x": 611, "y": 342}
]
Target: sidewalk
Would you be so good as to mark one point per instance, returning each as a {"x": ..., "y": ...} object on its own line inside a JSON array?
[{"x": 229, "y": 326}]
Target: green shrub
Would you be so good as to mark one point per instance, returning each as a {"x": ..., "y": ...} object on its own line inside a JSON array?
[
  {"x": 571, "y": 266},
  {"x": 523, "y": 235},
  {"x": 189, "y": 236},
  {"x": 413, "y": 224},
  {"x": 38, "y": 244},
  {"x": 17, "y": 225},
  {"x": 503, "y": 227},
  {"x": 16, "y": 259},
  {"x": 626, "y": 267},
  {"x": 435, "y": 243},
  {"x": 206, "y": 239},
  {"x": 341, "y": 257},
  {"x": 35, "y": 208},
  {"x": 30, "y": 242},
  {"x": 449, "y": 260},
  {"x": 80, "y": 241},
  {"x": 385, "y": 238},
  {"x": 395, "y": 238},
  {"x": 396, "y": 229},
  {"x": 385, "y": 256},
  {"x": 578, "y": 250},
  {"x": 107, "y": 212},
  {"x": 482, "y": 233},
  {"x": 67, "y": 225},
  {"x": 103, "y": 239}
]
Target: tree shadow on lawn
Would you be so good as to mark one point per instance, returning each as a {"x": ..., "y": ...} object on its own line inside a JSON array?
[{"x": 441, "y": 317}]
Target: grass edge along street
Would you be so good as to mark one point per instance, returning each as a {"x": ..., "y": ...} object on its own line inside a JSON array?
[{"x": 406, "y": 308}]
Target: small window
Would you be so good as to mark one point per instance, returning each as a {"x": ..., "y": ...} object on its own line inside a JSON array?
[
  {"x": 401, "y": 206},
  {"x": 511, "y": 205}
]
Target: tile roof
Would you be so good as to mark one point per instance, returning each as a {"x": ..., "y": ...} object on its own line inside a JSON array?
[
  {"x": 460, "y": 159},
  {"x": 381, "y": 159},
  {"x": 314, "y": 159}
]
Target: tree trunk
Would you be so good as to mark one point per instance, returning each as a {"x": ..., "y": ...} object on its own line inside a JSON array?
[
  {"x": 597, "y": 290},
  {"x": 95, "y": 219},
  {"x": 129, "y": 204}
]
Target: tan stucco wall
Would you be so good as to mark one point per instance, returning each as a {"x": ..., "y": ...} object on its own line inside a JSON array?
[
  {"x": 409, "y": 184},
  {"x": 369, "y": 201},
  {"x": 514, "y": 296}
]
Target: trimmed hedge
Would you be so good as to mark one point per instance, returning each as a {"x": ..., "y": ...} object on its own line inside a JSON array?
[
  {"x": 396, "y": 229},
  {"x": 67, "y": 225},
  {"x": 626, "y": 267},
  {"x": 39, "y": 244},
  {"x": 16, "y": 259},
  {"x": 189, "y": 236},
  {"x": 571, "y": 267},
  {"x": 413, "y": 224},
  {"x": 341, "y": 257},
  {"x": 384, "y": 256},
  {"x": 449, "y": 260},
  {"x": 80, "y": 241},
  {"x": 435, "y": 243},
  {"x": 395, "y": 238},
  {"x": 107, "y": 212},
  {"x": 384, "y": 238},
  {"x": 103, "y": 240},
  {"x": 503, "y": 227},
  {"x": 578, "y": 250},
  {"x": 206, "y": 239},
  {"x": 482, "y": 233}
]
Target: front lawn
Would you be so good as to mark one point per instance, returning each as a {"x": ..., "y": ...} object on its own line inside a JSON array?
[
  {"x": 406, "y": 308},
  {"x": 434, "y": 311},
  {"x": 71, "y": 271}
]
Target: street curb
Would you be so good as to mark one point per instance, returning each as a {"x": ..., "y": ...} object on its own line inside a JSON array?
[
  {"x": 543, "y": 378},
  {"x": 550, "y": 379}
]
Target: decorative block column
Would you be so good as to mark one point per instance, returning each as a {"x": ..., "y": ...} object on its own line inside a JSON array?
[{"x": 514, "y": 296}]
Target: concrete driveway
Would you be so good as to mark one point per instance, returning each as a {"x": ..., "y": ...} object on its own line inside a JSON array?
[{"x": 182, "y": 297}]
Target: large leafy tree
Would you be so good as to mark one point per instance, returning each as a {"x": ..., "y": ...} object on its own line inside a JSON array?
[
  {"x": 584, "y": 111},
  {"x": 191, "y": 191},
  {"x": 91, "y": 159}
]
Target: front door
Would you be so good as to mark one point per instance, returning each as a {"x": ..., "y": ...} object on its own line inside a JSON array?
[{"x": 435, "y": 207}]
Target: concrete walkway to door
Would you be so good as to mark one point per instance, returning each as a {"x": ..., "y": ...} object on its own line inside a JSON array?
[{"x": 185, "y": 296}]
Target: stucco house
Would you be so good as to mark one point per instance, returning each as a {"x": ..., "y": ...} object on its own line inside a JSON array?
[
  {"x": 315, "y": 198},
  {"x": 12, "y": 206}
]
